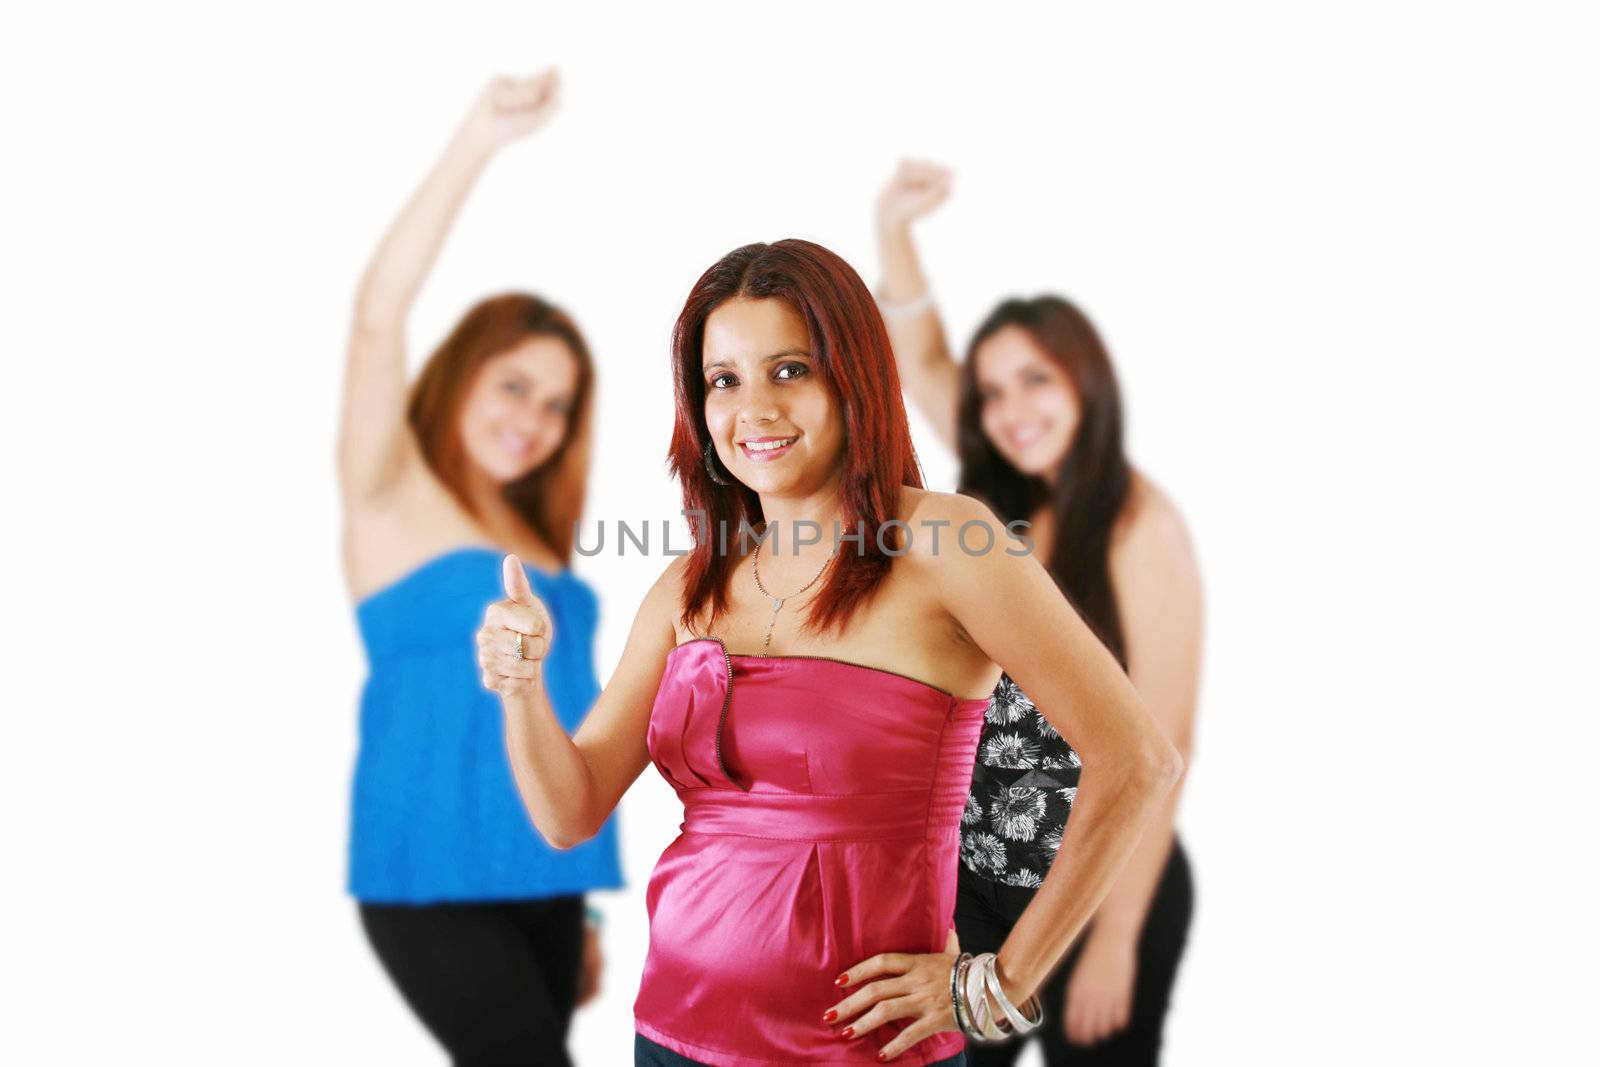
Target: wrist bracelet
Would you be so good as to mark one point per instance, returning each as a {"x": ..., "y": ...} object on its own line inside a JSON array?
[
  {"x": 984, "y": 1028},
  {"x": 957, "y": 970},
  {"x": 975, "y": 987},
  {"x": 1015, "y": 1022},
  {"x": 908, "y": 309}
]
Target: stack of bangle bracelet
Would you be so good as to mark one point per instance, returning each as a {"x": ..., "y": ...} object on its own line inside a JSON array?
[{"x": 974, "y": 984}]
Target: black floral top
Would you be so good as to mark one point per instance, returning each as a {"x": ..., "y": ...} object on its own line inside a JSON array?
[{"x": 1022, "y": 792}]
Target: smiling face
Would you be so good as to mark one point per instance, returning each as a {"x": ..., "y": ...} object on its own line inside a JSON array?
[
  {"x": 519, "y": 407},
  {"x": 1030, "y": 410},
  {"x": 773, "y": 422}
]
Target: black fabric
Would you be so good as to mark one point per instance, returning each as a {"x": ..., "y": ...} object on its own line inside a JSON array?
[
  {"x": 1023, "y": 786},
  {"x": 495, "y": 983},
  {"x": 986, "y": 910},
  {"x": 647, "y": 1053}
]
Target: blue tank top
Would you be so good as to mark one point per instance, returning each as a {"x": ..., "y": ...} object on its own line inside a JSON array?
[{"x": 435, "y": 814}]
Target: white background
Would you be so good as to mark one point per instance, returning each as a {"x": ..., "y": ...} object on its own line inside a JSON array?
[{"x": 1344, "y": 256}]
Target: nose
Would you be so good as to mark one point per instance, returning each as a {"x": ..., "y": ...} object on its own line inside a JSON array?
[
  {"x": 1007, "y": 407},
  {"x": 528, "y": 418},
  {"x": 759, "y": 403}
]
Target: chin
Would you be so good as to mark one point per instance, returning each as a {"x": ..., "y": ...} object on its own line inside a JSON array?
[
  {"x": 502, "y": 470},
  {"x": 772, "y": 482},
  {"x": 1034, "y": 465}
]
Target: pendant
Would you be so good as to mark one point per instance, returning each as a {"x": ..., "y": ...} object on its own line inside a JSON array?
[{"x": 777, "y": 606}]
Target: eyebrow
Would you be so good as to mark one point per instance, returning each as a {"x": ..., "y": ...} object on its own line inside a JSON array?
[{"x": 765, "y": 359}]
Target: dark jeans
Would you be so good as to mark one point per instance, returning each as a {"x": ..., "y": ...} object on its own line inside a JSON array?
[
  {"x": 647, "y": 1053},
  {"x": 495, "y": 983},
  {"x": 985, "y": 912}
]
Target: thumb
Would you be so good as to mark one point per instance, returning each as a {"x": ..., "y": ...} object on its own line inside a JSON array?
[{"x": 516, "y": 581}]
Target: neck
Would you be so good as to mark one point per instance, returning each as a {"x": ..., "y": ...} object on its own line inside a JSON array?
[
  {"x": 795, "y": 515},
  {"x": 486, "y": 496}
]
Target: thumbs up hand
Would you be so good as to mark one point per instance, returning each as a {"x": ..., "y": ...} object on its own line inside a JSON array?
[{"x": 515, "y": 635}]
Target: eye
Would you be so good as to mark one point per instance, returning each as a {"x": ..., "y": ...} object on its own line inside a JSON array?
[
  {"x": 788, "y": 372},
  {"x": 559, "y": 407},
  {"x": 723, "y": 381},
  {"x": 1036, "y": 377},
  {"x": 514, "y": 386}
]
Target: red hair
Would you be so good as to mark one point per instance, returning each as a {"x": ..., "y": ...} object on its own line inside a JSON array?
[
  {"x": 851, "y": 347},
  {"x": 549, "y": 498}
]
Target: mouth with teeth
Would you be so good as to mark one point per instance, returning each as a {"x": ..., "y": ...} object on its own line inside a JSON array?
[
  {"x": 766, "y": 449},
  {"x": 1025, "y": 436},
  {"x": 515, "y": 445}
]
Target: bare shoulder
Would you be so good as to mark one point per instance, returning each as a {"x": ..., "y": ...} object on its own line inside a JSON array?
[
  {"x": 666, "y": 593},
  {"x": 925, "y": 511},
  {"x": 655, "y": 621},
  {"x": 952, "y": 535},
  {"x": 1151, "y": 533}
]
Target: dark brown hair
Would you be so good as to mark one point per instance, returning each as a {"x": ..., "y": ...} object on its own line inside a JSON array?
[
  {"x": 549, "y": 498},
  {"x": 1091, "y": 485},
  {"x": 851, "y": 347}
]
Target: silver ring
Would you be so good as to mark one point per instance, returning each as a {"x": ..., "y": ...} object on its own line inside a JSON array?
[{"x": 516, "y": 652}]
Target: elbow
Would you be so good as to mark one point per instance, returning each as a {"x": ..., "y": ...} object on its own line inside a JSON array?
[
  {"x": 380, "y": 309},
  {"x": 1161, "y": 765},
  {"x": 568, "y": 835}
]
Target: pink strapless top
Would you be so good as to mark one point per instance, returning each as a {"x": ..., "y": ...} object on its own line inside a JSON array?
[{"x": 822, "y": 809}]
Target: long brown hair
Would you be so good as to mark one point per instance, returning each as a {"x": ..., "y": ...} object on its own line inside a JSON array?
[
  {"x": 1092, "y": 483},
  {"x": 848, "y": 339},
  {"x": 550, "y": 497}
]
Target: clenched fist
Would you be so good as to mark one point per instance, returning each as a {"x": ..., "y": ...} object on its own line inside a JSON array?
[
  {"x": 512, "y": 108},
  {"x": 916, "y": 189},
  {"x": 520, "y": 615}
]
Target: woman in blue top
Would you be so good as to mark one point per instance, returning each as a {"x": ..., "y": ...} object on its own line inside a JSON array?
[{"x": 477, "y": 920}]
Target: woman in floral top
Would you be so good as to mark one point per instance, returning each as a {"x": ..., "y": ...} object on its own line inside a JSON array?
[{"x": 1035, "y": 414}]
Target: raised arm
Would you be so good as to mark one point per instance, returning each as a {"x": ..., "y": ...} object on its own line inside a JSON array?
[
  {"x": 927, "y": 370},
  {"x": 1158, "y": 591},
  {"x": 570, "y": 785},
  {"x": 374, "y": 445},
  {"x": 1010, "y": 607}
]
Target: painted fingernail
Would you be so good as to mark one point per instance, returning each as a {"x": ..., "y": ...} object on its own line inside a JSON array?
[
  {"x": 883, "y": 1057},
  {"x": 843, "y": 979},
  {"x": 848, "y": 1031},
  {"x": 829, "y": 1015}
]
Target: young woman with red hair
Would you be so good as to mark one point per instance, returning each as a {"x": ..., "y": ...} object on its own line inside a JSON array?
[
  {"x": 477, "y": 920},
  {"x": 815, "y": 703},
  {"x": 1035, "y": 414}
]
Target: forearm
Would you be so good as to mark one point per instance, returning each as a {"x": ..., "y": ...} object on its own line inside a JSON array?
[
  {"x": 552, "y": 775},
  {"x": 1115, "y": 803},
  {"x": 927, "y": 370},
  {"x": 412, "y": 243},
  {"x": 902, "y": 279},
  {"x": 1120, "y": 918},
  {"x": 917, "y": 337}
]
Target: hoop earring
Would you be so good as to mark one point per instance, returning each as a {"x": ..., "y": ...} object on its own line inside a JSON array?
[{"x": 709, "y": 456}]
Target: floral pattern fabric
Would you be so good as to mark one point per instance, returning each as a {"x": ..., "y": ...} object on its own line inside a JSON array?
[{"x": 1023, "y": 787}]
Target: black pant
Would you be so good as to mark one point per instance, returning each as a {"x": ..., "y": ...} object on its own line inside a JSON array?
[
  {"x": 985, "y": 912},
  {"x": 494, "y": 982}
]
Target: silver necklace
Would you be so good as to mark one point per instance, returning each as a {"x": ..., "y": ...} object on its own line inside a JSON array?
[{"x": 778, "y": 601}]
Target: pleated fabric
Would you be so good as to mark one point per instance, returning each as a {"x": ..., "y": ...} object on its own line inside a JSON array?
[{"x": 822, "y": 807}]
